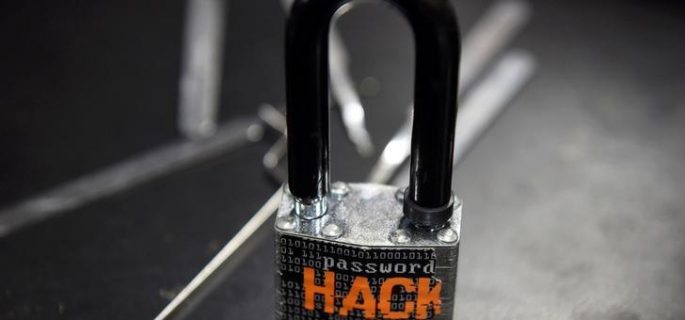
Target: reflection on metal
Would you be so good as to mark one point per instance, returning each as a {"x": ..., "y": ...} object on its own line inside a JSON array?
[
  {"x": 346, "y": 96},
  {"x": 174, "y": 308},
  {"x": 201, "y": 71},
  {"x": 127, "y": 174},
  {"x": 485, "y": 102},
  {"x": 486, "y": 39}
]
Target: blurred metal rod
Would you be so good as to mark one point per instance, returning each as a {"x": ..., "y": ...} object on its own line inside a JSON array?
[
  {"x": 212, "y": 268},
  {"x": 272, "y": 117},
  {"x": 127, "y": 174},
  {"x": 497, "y": 28},
  {"x": 346, "y": 96},
  {"x": 278, "y": 151},
  {"x": 344, "y": 93},
  {"x": 273, "y": 157},
  {"x": 486, "y": 102},
  {"x": 489, "y": 36},
  {"x": 396, "y": 152},
  {"x": 200, "y": 83},
  {"x": 492, "y": 95}
]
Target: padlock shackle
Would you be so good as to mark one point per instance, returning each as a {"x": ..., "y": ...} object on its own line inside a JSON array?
[{"x": 436, "y": 35}]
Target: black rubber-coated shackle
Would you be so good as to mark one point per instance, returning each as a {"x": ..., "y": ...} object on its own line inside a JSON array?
[{"x": 428, "y": 200}]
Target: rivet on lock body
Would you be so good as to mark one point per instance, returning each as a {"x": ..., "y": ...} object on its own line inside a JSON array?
[{"x": 360, "y": 250}]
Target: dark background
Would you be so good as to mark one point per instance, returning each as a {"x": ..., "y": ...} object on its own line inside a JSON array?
[{"x": 574, "y": 203}]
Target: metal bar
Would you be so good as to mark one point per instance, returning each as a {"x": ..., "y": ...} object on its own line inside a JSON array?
[
  {"x": 493, "y": 94},
  {"x": 262, "y": 215},
  {"x": 127, "y": 174},
  {"x": 497, "y": 28},
  {"x": 200, "y": 83}
]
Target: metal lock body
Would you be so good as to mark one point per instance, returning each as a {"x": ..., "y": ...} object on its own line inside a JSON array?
[
  {"x": 363, "y": 242},
  {"x": 367, "y": 251}
]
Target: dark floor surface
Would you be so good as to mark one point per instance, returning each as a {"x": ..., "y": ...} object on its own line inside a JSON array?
[{"x": 574, "y": 204}]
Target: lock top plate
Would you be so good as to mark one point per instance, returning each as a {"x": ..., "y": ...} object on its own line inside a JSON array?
[{"x": 367, "y": 215}]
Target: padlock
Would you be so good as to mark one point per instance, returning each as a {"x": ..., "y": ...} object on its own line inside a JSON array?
[{"x": 361, "y": 250}]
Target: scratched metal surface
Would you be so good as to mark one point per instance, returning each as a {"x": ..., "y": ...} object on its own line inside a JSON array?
[
  {"x": 367, "y": 215},
  {"x": 573, "y": 200}
]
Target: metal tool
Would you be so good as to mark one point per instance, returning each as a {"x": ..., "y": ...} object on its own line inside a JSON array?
[
  {"x": 367, "y": 250},
  {"x": 346, "y": 97},
  {"x": 200, "y": 83},
  {"x": 273, "y": 157},
  {"x": 212, "y": 269}
]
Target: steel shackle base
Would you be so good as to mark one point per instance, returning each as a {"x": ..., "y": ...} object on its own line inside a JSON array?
[{"x": 360, "y": 260}]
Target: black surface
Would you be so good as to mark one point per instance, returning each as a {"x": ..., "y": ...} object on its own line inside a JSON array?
[
  {"x": 83, "y": 84},
  {"x": 573, "y": 201}
]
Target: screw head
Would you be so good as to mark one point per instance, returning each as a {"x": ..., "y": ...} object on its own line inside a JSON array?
[
  {"x": 340, "y": 189},
  {"x": 400, "y": 236},
  {"x": 285, "y": 223},
  {"x": 332, "y": 231},
  {"x": 448, "y": 235}
]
